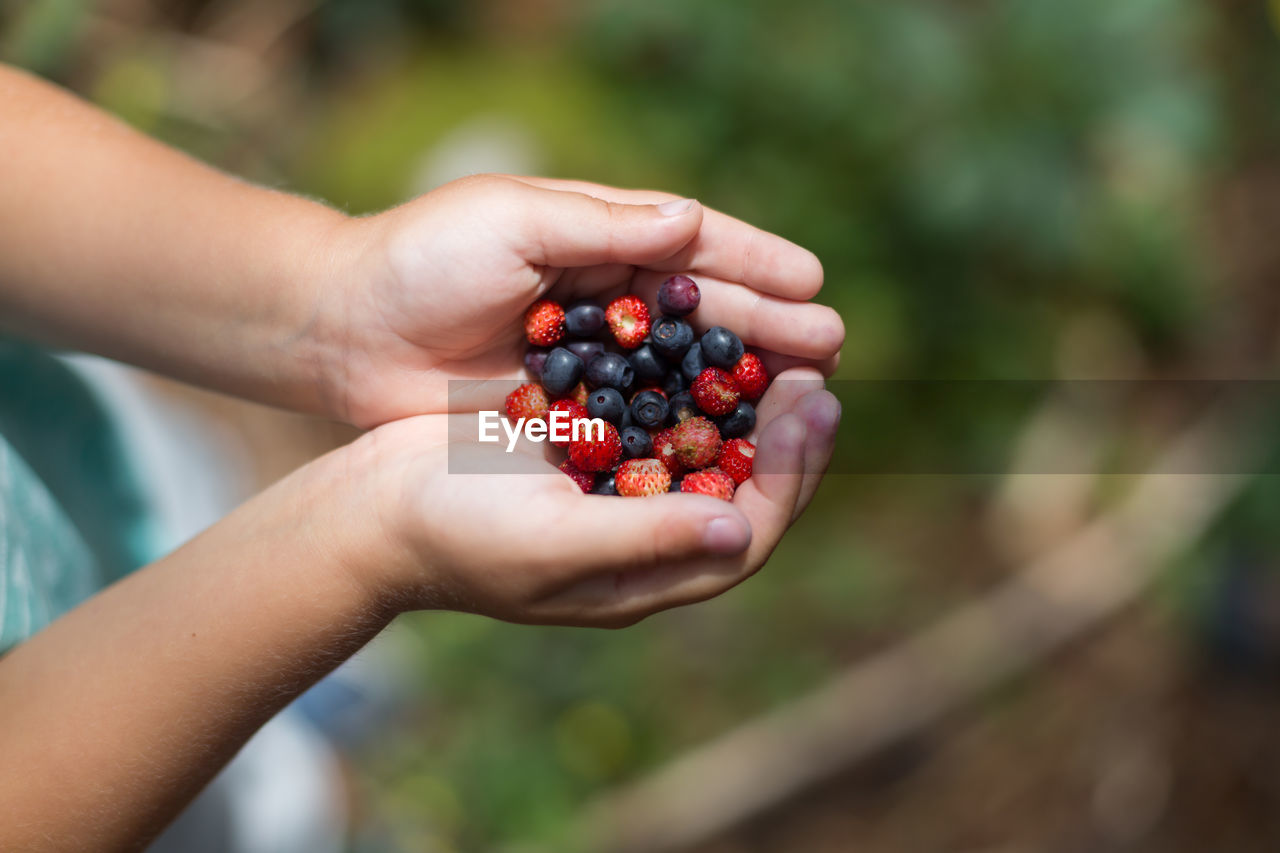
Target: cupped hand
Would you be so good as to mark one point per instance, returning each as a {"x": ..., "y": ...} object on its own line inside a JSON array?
[
  {"x": 437, "y": 288},
  {"x": 521, "y": 542}
]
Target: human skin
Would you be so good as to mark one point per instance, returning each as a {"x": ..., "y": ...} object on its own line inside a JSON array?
[{"x": 116, "y": 714}]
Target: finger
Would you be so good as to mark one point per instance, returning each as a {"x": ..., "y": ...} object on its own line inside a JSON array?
[
  {"x": 785, "y": 326},
  {"x": 570, "y": 229},
  {"x": 769, "y": 498},
  {"x": 724, "y": 247},
  {"x": 628, "y": 535},
  {"x": 820, "y": 411},
  {"x": 783, "y": 395}
]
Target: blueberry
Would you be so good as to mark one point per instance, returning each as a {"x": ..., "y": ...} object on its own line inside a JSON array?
[
  {"x": 693, "y": 363},
  {"x": 649, "y": 409},
  {"x": 672, "y": 337},
  {"x": 673, "y": 383},
  {"x": 739, "y": 422},
  {"x": 610, "y": 370},
  {"x": 678, "y": 296},
  {"x": 675, "y": 484},
  {"x": 606, "y": 403},
  {"x": 534, "y": 358},
  {"x": 607, "y": 486},
  {"x": 635, "y": 442},
  {"x": 682, "y": 407},
  {"x": 721, "y": 348},
  {"x": 626, "y": 420},
  {"x": 585, "y": 350},
  {"x": 647, "y": 365},
  {"x": 561, "y": 371},
  {"x": 583, "y": 319}
]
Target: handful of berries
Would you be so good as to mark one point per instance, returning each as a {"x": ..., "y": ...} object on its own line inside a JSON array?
[{"x": 676, "y": 408}]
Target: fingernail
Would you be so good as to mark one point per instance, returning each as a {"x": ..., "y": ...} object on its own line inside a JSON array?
[
  {"x": 676, "y": 207},
  {"x": 726, "y": 535}
]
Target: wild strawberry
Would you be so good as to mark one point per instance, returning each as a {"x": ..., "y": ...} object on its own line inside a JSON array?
[
  {"x": 639, "y": 478},
  {"x": 715, "y": 392},
  {"x": 751, "y": 377},
  {"x": 665, "y": 452},
  {"x": 579, "y": 394},
  {"x": 574, "y": 410},
  {"x": 528, "y": 401},
  {"x": 628, "y": 319},
  {"x": 735, "y": 459},
  {"x": 544, "y": 323},
  {"x": 591, "y": 453},
  {"x": 696, "y": 442},
  {"x": 584, "y": 479},
  {"x": 711, "y": 481}
]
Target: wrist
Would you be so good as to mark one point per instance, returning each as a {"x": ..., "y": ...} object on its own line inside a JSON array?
[{"x": 333, "y": 272}]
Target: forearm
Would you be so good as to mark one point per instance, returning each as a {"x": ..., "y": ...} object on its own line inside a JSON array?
[
  {"x": 115, "y": 716},
  {"x": 113, "y": 243}
]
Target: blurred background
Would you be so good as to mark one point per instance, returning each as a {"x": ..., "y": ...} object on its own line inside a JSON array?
[{"x": 999, "y": 189}]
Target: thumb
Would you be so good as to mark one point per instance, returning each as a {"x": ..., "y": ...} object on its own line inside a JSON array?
[{"x": 569, "y": 229}]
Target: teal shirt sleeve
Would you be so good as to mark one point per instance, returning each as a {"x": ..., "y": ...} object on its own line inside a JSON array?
[
  {"x": 45, "y": 566},
  {"x": 73, "y": 514}
]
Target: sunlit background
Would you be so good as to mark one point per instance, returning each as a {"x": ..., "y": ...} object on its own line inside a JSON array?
[{"x": 999, "y": 189}]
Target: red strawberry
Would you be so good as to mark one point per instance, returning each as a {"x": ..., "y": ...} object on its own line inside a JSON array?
[
  {"x": 639, "y": 478},
  {"x": 592, "y": 454},
  {"x": 584, "y": 479},
  {"x": 544, "y": 323},
  {"x": 628, "y": 319},
  {"x": 751, "y": 377},
  {"x": 735, "y": 459},
  {"x": 574, "y": 410},
  {"x": 528, "y": 401},
  {"x": 579, "y": 394},
  {"x": 712, "y": 481},
  {"x": 715, "y": 392},
  {"x": 665, "y": 452},
  {"x": 696, "y": 442}
]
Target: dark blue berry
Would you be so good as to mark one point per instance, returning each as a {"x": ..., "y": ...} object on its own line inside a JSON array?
[
  {"x": 693, "y": 363},
  {"x": 610, "y": 370},
  {"x": 673, "y": 383},
  {"x": 606, "y": 486},
  {"x": 561, "y": 371},
  {"x": 583, "y": 319},
  {"x": 675, "y": 484},
  {"x": 648, "y": 367},
  {"x": 649, "y": 409},
  {"x": 721, "y": 348},
  {"x": 739, "y": 422},
  {"x": 682, "y": 407},
  {"x": 626, "y": 420},
  {"x": 586, "y": 350},
  {"x": 635, "y": 442},
  {"x": 678, "y": 296},
  {"x": 672, "y": 337},
  {"x": 606, "y": 403},
  {"x": 534, "y": 358}
]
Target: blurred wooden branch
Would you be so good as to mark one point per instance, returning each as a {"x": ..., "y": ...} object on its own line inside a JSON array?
[{"x": 1058, "y": 597}]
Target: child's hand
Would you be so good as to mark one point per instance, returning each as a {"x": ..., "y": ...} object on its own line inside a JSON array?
[
  {"x": 528, "y": 546},
  {"x": 438, "y": 287}
]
